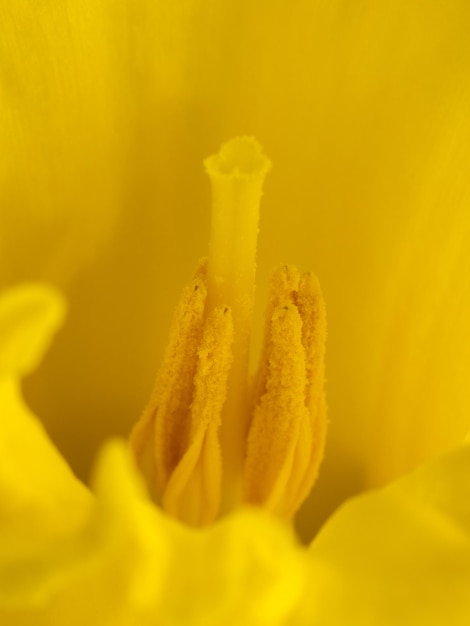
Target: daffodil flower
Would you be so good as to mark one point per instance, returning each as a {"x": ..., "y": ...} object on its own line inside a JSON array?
[
  {"x": 104, "y": 109},
  {"x": 110, "y": 556}
]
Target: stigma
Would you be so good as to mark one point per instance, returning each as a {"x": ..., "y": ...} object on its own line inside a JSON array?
[{"x": 212, "y": 437}]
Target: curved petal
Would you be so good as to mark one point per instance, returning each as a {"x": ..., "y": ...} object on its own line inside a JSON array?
[
  {"x": 246, "y": 569},
  {"x": 30, "y": 314},
  {"x": 402, "y": 554},
  {"x": 101, "y": 572},
  {"x": 130, "y": 564},
  {"x": 37, "y": 489}
]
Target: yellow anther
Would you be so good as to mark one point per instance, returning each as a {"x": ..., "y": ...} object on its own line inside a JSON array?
[
  {"x": 193, "y": 491},
  {"x": 172, "y": 422},
  {"x": 311, "y": 307},
  {"x": 288, "y": 428}
]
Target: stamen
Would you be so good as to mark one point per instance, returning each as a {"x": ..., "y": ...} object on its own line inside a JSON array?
[
  {"x": 311, "y": 306},
  {"x": 193, "y": 490},
  {"x": 288, "y": 429},
  {"x": 160, "y": 437}
]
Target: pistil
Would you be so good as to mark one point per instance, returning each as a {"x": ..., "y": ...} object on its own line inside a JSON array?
[{"x": 237, "y": 175}]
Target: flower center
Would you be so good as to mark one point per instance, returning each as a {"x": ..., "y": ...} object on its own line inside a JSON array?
[{"x": 209, "y": 441}]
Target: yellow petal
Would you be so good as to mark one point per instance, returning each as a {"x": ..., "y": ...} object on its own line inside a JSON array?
[
  {"x": 60, "y": 163},
  {"x": 36, "y": 486},
  {"x": 400, "y": 555},
  {"x": 131, "y": 564},
  {"x": 108, "y": 571},
  {"x": 255, "y": 573},
  {"x": 29, "y": 316}
]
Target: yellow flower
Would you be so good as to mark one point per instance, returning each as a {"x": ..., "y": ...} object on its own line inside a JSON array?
[
  {"x": 69, "y": 557},
  {"x": 104, "y": 109}
]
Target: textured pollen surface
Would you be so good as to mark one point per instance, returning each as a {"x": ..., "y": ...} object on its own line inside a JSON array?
[{"x": 287, "y": 434}]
